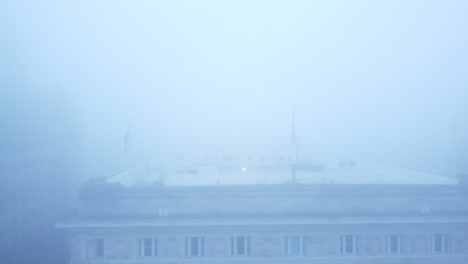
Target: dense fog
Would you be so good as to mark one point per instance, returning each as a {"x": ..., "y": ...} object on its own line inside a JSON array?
[{"x": 91, "y": 88}]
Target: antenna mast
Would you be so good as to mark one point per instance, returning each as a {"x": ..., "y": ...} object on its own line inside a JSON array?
[{"x": 293, "y": 144}]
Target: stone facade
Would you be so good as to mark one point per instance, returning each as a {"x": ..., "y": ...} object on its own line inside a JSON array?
[
  {"x": 335, "y": 223},
  {"x": 322, "y": 244}
]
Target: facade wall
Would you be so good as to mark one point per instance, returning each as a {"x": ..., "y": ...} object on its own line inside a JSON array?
[
  {"x": 322, "y": 215},
  {"x": 323, "y": 244},
  {"x": 223, "y": 200}
]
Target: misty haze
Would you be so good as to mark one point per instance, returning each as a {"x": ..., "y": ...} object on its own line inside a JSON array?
[{"x": 239, "y": 131}]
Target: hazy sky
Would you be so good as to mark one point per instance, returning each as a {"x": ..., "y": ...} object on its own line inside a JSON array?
[{"x": 378, "y": 80}]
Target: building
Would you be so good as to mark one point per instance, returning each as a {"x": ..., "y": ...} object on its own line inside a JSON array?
[
  {"x": 257, "y": 211},
  {"x": 33, "y": 161}
]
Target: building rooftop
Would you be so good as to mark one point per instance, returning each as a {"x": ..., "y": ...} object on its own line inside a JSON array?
[{"x": 341, "y": 172}]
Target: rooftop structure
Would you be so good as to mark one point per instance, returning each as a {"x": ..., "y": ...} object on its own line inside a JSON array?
[{"x": 341, "y": 172}]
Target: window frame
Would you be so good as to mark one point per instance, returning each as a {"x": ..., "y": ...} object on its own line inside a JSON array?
[
  {"x": 289, "y": 249},
  {"x": 444, "y": 240},
  {"x": 99, "y": 247},
  {"x": 398, "y": 241},
  {"x": 197, "y": 243},
  {"x": 240, "y": 246},
  {"x": 152, "y": 245},
  {"x": 353, "y": 244}
]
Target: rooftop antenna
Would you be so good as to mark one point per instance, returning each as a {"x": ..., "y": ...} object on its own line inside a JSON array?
[
  {"x": 453, "y": 154},
  {"x": 293, "y": 128},
  {"x": 293, "y": 144},
  {"x": 129, "y": 129},
  {"x": 127, "y": 136}
]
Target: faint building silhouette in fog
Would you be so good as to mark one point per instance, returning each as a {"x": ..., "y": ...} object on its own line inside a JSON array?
[{"x": 38, "y": 173}]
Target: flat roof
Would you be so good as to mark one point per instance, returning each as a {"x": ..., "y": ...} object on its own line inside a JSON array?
[{"x": 254, "y": 174}]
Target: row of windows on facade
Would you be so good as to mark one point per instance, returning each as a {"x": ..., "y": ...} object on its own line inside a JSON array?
[{"x": 293, "y": 246}]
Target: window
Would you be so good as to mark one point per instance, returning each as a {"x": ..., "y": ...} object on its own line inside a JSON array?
[
  {"x": 295, "y": 246},
  {"x": 99, "y": 247},
  {"x": 148, "y": 247},
  {"x": 394, "y": 244},
  {"x": 439, "y": 243},
  {"x": 194, "y": 246},
  {"x": 349, "y": 244},
  {"x": 240, "y": 246}
]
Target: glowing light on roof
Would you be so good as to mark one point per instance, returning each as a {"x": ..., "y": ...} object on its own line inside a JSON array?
[{"x": 244, "y": 169}]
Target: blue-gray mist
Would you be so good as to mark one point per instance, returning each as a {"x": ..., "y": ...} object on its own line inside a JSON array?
[{"x": 89, "y": 89}]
